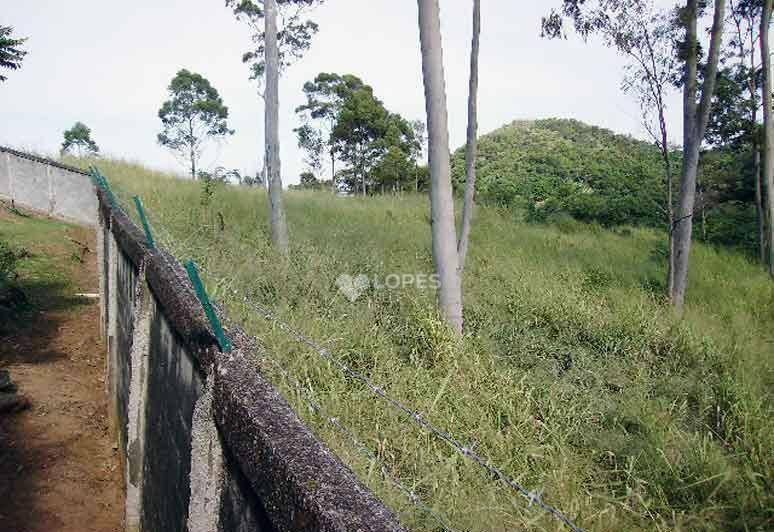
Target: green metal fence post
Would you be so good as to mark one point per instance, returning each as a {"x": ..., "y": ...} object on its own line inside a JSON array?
[
  {"x": 144, "y": 220},
  {"x": 201, "y": 293},
  {"x": 106, "y": 186}
]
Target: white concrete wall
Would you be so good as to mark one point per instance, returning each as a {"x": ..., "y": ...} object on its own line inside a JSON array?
[{"x": 46, "y": 187}]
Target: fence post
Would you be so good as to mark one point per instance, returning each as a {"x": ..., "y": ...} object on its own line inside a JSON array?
[
  {"x": 102, "y": 181},
  {"x": 201, "y": 293},
  {"x": 144, "y": 220}
]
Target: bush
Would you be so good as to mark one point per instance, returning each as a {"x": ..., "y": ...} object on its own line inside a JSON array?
[
  {"x": 9, "y": 260},
  {"x": 733, "y": 224}
]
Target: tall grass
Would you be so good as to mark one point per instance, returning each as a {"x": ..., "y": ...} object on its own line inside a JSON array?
[{"x": 574, "y": 375}]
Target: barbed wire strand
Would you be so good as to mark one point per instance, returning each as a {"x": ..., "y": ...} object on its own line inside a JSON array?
[
  {"x": 534, "y": 497},
  {"x": 306, "y": 395},
  {"x": 362, "y": 447}
]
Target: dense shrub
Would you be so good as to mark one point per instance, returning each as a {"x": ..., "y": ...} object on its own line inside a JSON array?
[{"x": 9, "y": 259}]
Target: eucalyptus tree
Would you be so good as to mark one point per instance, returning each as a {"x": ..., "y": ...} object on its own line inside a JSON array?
[
  {"x": 472, "y": 140},
  {"x": 736, "y": 111},
  {"x": 78, "y": 139},
  {"x": 695, "y": 119},
  {"x": 11, "y": 51},
  {"x": 598, "y": 16},
  {"x": 324, "y": 98},
  {"x": 311, "y": 141},
  {"x": 276, "y": 47},
  {"x": 420, "y": 148},
  {"x": 444, "y": 235},
  {"x": 768, "y": 128},
  {"x": 343, "y": 114},
  {"x": 646, "y": 37},
  {"x": 193, "y": 115},
  {"x": 648, "y": 41}
]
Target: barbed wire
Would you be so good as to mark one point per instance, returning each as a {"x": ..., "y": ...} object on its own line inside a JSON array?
[
  {"x": 360, "y": 446},
  {"x": 304, "y": 392},
  {"x": 160, "y": 229},
  {"x": 534, "y": 497}
]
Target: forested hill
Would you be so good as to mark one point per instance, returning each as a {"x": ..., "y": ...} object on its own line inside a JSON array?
[{"x": 560, "y": 165}]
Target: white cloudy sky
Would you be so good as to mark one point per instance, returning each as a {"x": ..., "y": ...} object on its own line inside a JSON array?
[{"x": 108, "y": 63}]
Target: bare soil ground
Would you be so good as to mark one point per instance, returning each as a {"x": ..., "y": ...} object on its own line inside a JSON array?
[{"x": 59, "y": 469}]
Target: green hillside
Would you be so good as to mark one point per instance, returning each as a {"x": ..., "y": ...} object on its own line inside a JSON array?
[
  {"x": 574, "y": 376},
  {"x": 555, "y": 165}
]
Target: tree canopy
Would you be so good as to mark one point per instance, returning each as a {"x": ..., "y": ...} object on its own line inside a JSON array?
[
  {"x": 78, "y": 139},
  {"x": 556, "y": 166},
  {"x": 343, "y": 116},
  {"x": 194, "y": 114},
  {"x": 294, "y": 36},
  {"x": 11, "y": 51}
]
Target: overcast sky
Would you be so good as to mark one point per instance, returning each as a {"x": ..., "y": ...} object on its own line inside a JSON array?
[{"x": 108, "y": 63}]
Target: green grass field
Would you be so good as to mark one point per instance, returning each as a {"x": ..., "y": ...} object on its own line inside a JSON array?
[{"x": 574, "y": 376}]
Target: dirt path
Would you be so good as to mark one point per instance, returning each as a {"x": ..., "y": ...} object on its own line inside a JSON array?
[{"x": 59, "y": 470}]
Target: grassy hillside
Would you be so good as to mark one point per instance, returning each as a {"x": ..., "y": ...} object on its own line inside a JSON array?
[
  {"x": 574, "y": 376},
  {"x": 566, "y": 165}
]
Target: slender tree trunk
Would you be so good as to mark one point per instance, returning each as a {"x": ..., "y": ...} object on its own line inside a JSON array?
[
  {"x": 695, "y": 125},
  {"x": 768, "y": 132},
  {"x": 279, "y": 228},
  {"x": 192, "y": 149},
  {"x": 759, "y": 203},
  {"x": 670, "y": 208},
  {"x": 658, "y": 96},
  {"x": 441, "y": 196},
  {"x": 333, "y": 171},
  {"x": 472, "y": 144},
  {"x": 752, "y": 86},
  {"x": 703, "y": 213}
]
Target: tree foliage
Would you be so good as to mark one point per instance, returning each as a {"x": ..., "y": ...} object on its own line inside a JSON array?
[
  {"x": 556, "y": 166},
  {"x": 78, "y": 139},
  {"x": 294, "y": 36},
  {"x": 11, "y": 51},
  {"x": 193, "y": 115},
  {"x": 343, "y": 117}
]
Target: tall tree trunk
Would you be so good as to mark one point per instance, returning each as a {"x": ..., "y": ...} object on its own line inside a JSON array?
[
  {"x": 757, "y": 173},
  {"x": 472, "y": 144},
  {"x": 670, "y": 207},
  {"x": 703, "y": 213},
  {"x": 658, "y": 95},
  {"x": 768, "y": 131},
  {"x": 192, "y": 149},
  {"x": 695, "y": 125},
  {"x": 279, "y": 228},
  {"x": 441, "y": 197},
  {"x": 752, "y": 86}
]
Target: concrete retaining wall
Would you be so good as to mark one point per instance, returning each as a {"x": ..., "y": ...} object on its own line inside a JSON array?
[
  {"x": 47, "y": 187},
  {"x": 209, "y": 444}
]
